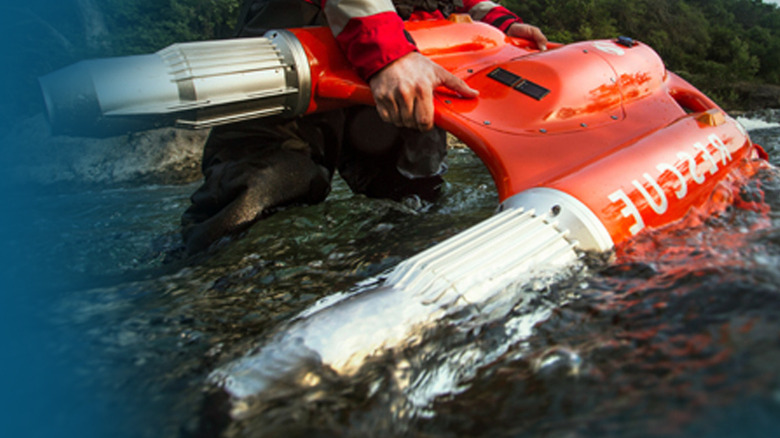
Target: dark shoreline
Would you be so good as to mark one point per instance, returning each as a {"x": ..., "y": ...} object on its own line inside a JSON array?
[{"x": 754, "y": 98}]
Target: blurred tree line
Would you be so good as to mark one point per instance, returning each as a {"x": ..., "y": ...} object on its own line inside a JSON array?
[
  {"x": 143, "y": 26},
  {"x": 718, "y": 45},
  {"x": 725, "y": 47}
]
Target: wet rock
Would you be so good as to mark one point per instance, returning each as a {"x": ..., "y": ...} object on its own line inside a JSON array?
[
  {"x": 558, "y": 362},
  {"x": 757, "y": 96},
  {"x": 162, "y": 156}
]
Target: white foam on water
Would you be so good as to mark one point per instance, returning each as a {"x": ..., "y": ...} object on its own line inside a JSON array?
[{"x": 756, "y": 124}]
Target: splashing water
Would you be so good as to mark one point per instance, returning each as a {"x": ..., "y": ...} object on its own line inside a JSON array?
[{"x": 679, "y": 337}]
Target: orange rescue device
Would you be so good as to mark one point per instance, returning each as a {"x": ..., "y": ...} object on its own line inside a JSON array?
[
  {"x": 602, "y": 122},
  {"x": 597, "y": 134}
]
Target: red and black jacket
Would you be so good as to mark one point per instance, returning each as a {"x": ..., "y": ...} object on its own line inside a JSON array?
[{"x": 371, "y": 32}]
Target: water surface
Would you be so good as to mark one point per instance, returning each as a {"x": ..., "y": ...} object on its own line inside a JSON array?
[{"x": 679, "y": 337}]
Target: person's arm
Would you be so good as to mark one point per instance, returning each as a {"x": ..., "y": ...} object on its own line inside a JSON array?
[
  {"x": 504, "y": 19},
  {"x": 403, "y": 90},
  {"x": 373, "y": 38},
  {"x": 529, "y": 32},
  {"x": 370, "y": 33}
]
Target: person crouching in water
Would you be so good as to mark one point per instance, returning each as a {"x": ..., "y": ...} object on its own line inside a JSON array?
[{"x": 392, "y": 151}]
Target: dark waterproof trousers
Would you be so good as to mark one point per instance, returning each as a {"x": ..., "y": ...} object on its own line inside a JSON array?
[{"x": 253, "y": 168}]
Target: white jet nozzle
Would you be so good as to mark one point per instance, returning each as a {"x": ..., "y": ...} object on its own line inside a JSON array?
[{"x": 193, "y": 85}]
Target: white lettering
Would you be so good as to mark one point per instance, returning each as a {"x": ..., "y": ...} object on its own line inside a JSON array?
[
  {"x": 714, "y": 167},
  {"x": 629, "y": 210},
  {"x": 725, "y": 155},
  {"x": 660, "y": 203},
  {"x": 691, "y": 166},
  {"x": 659, "y": 207},
  {"x": 683, "y": 190}
]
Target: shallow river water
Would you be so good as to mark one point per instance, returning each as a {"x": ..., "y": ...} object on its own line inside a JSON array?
[{"x": 679, "y": 337}]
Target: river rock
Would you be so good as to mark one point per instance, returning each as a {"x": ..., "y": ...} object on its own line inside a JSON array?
[{"x": 756, "y": 97}]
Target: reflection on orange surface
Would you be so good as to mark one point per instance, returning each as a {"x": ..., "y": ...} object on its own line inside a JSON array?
[
  {"x": 603, "y": 98},
  {"x": 476, "y": 44},
  {"x": 636, "y": 85},
  {"x": 608, "y": 96}
]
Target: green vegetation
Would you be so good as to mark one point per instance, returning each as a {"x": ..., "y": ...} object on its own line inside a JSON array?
[
  {"x": 728, "y": 48},
  {"x": 143, "y": 26}
]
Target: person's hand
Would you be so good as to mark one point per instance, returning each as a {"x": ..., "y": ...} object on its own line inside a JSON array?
[
  {"x": 526, "y": 31},
  {"x": 403, "y": 90}
]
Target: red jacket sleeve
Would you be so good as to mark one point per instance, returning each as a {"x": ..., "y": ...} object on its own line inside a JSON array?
[
  {"x": 491, "y": 13},
  {"x": 371, "y": 34},
  {"x": 372, "y": 42}
]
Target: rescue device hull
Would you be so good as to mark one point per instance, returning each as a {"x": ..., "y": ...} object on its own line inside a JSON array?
[{"x": 603, "y": 123}]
